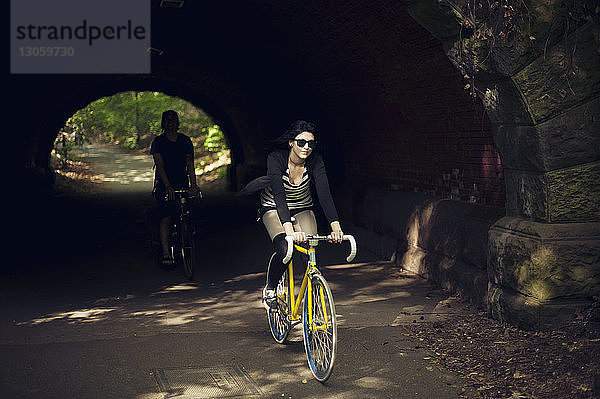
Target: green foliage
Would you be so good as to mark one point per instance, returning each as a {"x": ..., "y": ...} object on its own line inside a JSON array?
[
  {"x": 63, "y": 149},
  {"x": 132, "y": 119},
  {"x": 215, "y": 141}
]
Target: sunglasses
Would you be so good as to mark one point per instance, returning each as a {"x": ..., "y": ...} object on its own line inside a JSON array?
[{"x": 302, "y": 143}]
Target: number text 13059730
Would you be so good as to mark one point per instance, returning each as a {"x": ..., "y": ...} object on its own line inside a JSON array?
[{"x": 46, "y": 51}]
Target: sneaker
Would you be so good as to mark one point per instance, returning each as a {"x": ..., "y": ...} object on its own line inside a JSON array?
[{"x": 269, "y": 298}]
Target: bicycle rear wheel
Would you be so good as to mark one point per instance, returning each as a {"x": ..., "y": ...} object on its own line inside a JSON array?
[
  {"x": 278, "y": 316},
  {"x": 319, "y": 327},
  {"x": 188, "y": 249}
]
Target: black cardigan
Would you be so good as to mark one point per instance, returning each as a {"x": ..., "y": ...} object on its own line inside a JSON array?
[{"x": 277, "y": 163}]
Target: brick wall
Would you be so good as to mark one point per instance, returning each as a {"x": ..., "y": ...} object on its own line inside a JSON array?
[{"x": 395, "y": 102}]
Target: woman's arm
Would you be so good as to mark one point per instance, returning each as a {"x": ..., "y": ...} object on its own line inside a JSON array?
[
  {"x": 191, "y": 171},
  {"x": 189, "y": 164},
  {"x": 275, "y": 169},
  {"x": 322, "y": 189},
  {"x": 325, "y": 198},
  {"x": 276, "y": 164}
]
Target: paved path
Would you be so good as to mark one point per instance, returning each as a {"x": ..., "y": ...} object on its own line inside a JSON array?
[{"x": 89, "y": 314}]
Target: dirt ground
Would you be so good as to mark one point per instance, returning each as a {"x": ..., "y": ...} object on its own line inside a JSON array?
[
  {"x": 77, "y": 177},
  {"x": 500, "y": 361}
]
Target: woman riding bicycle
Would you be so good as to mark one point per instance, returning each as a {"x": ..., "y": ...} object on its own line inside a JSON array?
[{"x": 286, "y": 202}]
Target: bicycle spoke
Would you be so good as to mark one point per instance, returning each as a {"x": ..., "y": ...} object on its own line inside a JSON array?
[
  {"x": 320, "y": 329},
  {"x": 323, "y": 338},
  {"x": 279, "y": 322}
]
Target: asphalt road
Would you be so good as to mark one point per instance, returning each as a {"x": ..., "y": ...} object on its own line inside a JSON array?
[{"x": 86, "y": 312}]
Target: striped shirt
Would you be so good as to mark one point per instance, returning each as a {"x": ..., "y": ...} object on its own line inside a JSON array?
[{"x": 297, "y": 195}]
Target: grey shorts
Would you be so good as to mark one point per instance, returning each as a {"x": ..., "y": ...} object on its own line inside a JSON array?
[{"x": 302, "y": 221}]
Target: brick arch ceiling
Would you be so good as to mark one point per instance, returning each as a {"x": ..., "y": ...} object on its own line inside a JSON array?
[{"x": 390, "y": 103}]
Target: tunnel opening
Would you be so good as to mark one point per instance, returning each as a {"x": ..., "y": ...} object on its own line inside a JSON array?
[{"x": 129, "y": 121}]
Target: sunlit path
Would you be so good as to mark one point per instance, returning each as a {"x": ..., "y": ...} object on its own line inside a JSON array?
[{"x": 131, "y": 171}]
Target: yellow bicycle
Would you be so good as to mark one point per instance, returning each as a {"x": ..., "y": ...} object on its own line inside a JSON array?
[{"x": 318, "y": 319}]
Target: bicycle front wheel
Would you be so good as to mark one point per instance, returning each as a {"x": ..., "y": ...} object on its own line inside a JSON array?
[
  {"x": 188, "y": 249},
  {"x": 278, "y": 315},
  {"x": 319, "y": 327}
]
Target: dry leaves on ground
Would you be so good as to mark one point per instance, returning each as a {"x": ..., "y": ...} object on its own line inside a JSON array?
[{"x": 501, "y": 361}]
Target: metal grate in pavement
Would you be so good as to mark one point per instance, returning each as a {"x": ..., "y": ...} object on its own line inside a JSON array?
[{"x": 205, "y": 382}]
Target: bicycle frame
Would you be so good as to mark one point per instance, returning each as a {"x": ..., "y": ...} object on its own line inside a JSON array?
[
  {"x": 311, "y": 269},
  {"x": 183, "y": 210},
  {"x": 180, "y": 198},
  {"x": 296, "y": 301}
]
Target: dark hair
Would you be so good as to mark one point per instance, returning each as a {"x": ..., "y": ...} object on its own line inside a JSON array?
[
  {"x": 164, "y": 117},
  {"x": 293, "y": 130}
]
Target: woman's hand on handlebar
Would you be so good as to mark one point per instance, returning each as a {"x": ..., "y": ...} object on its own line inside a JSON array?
[
  {"x": 299, "y": 236},
  {"x": 337, "y": 235}
]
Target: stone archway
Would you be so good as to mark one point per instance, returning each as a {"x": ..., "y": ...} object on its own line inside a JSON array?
[
  {"x": 216, "y": 99},
  {"x": 540, "y": 86}
]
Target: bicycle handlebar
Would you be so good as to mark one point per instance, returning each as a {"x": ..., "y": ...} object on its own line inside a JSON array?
[
  {"x": 290, "y": 249},
  {"x": 199, "y": 195},
  {"x": 347, "y": 237},
  {"x": 353, "y": 248}
]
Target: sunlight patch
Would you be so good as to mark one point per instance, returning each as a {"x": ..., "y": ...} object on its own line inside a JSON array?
[
  {"x": 371, "y": 382},
  {"x": 149, "y": 313},
  {"x": 83, "y": 315},
  {"x": 347, "y": 266},
  {"x": 179, "y": 319},
  {"x": 245, "y": 277},
  {"x": 178, "y": 287}
]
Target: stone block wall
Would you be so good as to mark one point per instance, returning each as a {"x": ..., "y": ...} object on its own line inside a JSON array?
[
  {"x": 443, "y": 240},
  {"x": 542, "y": 100},
  {"x": 531, "y": 274},
  {"x": 541, "y": 273}
]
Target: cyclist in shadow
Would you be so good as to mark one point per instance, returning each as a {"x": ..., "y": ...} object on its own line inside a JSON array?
[
  {"x": 173, "y": 154},
  {"x": 286, "y": 201}
]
